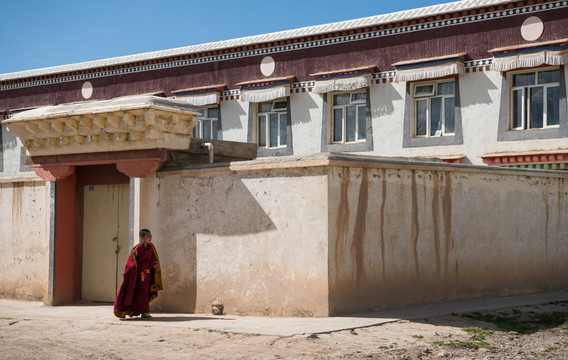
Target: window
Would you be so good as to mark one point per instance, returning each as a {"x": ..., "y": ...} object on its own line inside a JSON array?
[
  {"x": 533, "y": 104},
  {"x": 432, "y": 113},
  {"x": 534, "y": 99},
  {"x": 272, "y": 123},
  {"x": 208, "y": 124},
  {"x": 349, "y": 117},
  {"x": 434, "y": 109}
]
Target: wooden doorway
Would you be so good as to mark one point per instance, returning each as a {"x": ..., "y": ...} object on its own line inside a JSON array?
[{"x": 105, "y": 240}]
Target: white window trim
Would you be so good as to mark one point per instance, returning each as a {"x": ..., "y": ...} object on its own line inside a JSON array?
[
  {"x": 198, "y": 130},
  {"x": 280, "y": 112},
  {"x": 357, "y": 104},
  {"x": 429, "y": 97},
  {"x": 510, "y": 91}
]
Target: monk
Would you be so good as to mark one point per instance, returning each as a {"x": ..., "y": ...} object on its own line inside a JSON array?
[{"x": 142, "y": 280}]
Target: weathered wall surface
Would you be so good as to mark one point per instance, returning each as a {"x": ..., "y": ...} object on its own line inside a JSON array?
[
  {"x": 332, "y": 233},
  {"x": 24, "y": 239},
  {"x": 403, "y": 236},
  {"x": 254, "y": 240}
]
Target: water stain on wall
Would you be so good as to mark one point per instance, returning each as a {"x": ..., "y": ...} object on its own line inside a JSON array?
[
  {"x": 342, "y": 222},
  {"x": 382, "y": 229},
  {"x": 447, "y": 217},
  {"x": 415, "y": 223},
  {"x": 360, "y": 226},
  {"x": 546, "y": 214},
  {"x": 560, "y": 204},
  {"x": 17, "y": 198},
  {"x": 436, "y": 219}
]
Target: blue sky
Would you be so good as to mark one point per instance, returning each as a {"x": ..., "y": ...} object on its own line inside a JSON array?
[{"x": 41, "y": 33}]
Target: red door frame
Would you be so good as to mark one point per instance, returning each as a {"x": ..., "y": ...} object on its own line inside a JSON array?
[{"x": 68, "y": 245}]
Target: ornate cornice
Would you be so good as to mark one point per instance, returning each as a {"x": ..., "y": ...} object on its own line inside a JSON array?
[{"x": 131, "y": 123}]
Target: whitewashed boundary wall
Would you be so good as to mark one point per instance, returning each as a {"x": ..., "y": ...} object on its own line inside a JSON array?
[{"x": 329, "y": 233}]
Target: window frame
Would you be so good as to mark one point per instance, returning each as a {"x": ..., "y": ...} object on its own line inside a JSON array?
[
  {"x": 505, "y": 133},
  {"x": 409, "y": 139},
  {"x": 358, "y": 105},
  {"x": 252, "y": 130},
  {"x": 282, "y": 119},
  {"x": 215, "y": 135},
  {"x": 327, "y": 123},
  {"x": 526, "y": 116},
  {"x": 434, "y": 94}
]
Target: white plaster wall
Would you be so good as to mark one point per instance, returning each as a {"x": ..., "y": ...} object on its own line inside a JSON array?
[
  {"x": 149, "y": 202},
  {"x": 487, "y": 143},
  {"x": 480, "y": 103},
  {"x": 256, "y": 241},
  {"x": 234, "y": 117},
  {"x": 11, "y": 153},
  {"x": 387, "y": 111},
  {"x": 480, "y": 94},
  {"x": 306, "y": 114},
  {"x": 24, "y": 240}
]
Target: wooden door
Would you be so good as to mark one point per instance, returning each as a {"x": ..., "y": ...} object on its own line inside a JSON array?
[{"x": 105, "y": 240}]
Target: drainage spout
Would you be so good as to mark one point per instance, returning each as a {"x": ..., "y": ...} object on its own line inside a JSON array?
[{"x": 209, "y": 148}]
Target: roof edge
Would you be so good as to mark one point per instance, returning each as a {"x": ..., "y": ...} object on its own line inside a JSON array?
[{"x": 346, "y": 25}]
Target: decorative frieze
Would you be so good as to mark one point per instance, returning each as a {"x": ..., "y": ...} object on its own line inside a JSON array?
[
  {"x": 441, "y": 23},
  {"x": 537, "y": 160},
  {"x": 377, "y": 78}
]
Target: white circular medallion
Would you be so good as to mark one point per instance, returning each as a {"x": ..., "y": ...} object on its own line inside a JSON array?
[
  {"x": 267, "y": 66},
  {"x": 532, "y": 28},
  {"x": 87, "y": 90}
]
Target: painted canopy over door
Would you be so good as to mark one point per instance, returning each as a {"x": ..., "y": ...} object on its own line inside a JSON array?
[
  {"x": 105, "y": 240},
  {"x": 131, "y": 132}
]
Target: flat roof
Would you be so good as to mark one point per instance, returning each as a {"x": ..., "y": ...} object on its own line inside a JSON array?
[{"x": 125, "y": 103}]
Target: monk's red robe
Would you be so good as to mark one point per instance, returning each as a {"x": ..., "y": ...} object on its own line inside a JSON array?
[{"x": 141, "y": 282}]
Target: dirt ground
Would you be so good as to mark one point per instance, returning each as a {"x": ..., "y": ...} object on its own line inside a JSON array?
[{"x": 530, "y": 332}]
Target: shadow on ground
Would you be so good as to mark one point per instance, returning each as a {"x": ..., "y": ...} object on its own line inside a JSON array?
[{"x": 173, "y": 318}]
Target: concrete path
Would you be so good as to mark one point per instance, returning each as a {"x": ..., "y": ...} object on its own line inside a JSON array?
[{"x": 14, "y": 309}]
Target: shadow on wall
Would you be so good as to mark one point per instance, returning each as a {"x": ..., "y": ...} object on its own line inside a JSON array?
[
  {"x": 9, "y": 140},
  {"x": 477, "y": 90},
  {"x": 192, "y": 206},
  {"x": 387, "y": 96},
  {"x": 233, "y": 114},
  {"x": 303, "y": 105}
]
